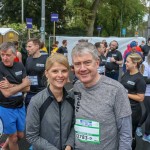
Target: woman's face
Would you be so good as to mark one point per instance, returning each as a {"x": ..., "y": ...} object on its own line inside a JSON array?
[
  {"x": 129, "y": 64},
  {"x": 57, "y": 76}
]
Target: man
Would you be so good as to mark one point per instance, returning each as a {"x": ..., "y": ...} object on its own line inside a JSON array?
[
  {"x": 114, "y": 59},
  {"x": 146, "y": 48},
  {"x": 133, "y": 46},
  {"x": 13, "y": 82},
  {"x": 35, "y": 67},
  {"x": 18, "y": 57},
  {"x": 102, "y": 109},
  {"x": 63, "y": 49},
  {"x": 101, "y": 51}
]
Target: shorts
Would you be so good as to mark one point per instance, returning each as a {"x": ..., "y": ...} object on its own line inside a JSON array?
[{"x": 13, "y": 119}]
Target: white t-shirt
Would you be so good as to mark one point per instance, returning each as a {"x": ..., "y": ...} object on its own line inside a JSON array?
[{"x": 147, "y": 74}]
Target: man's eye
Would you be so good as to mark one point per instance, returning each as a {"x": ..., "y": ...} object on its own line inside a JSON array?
[{"x": 87, "y": 63}]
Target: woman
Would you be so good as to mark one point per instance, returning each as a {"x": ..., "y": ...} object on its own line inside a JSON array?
[
  {"x": 146, "y": 116},
  {"x": 135, "y": 85},
  {"x": 50, "y": 116}
]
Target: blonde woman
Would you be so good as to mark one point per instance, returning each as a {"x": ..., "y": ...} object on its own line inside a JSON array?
[
  {"x": 135, "y": 85},
  {"x": 50, "y": 116}
]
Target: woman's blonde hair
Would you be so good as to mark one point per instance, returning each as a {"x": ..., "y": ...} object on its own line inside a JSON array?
[
  {"x": 59, "y": 58},
  {"x": 136, "y": 58}
]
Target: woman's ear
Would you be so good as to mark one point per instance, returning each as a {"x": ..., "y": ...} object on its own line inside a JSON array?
[{"x": 46, "y": 73}]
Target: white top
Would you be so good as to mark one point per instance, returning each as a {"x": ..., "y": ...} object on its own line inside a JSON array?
[{"x": 147, "y": 74}]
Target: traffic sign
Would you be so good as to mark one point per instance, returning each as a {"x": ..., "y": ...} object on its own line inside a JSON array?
[
  {"x": 123, "y": 31},
  {"x": 54, "y": 17},
  {"x": 99, "y": 28},
  {"x": 42, "y": 29},
  {"x": 29, "y": 23}
]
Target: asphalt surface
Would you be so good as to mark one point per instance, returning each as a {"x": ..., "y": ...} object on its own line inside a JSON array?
[{"x": 141, "y": 145}]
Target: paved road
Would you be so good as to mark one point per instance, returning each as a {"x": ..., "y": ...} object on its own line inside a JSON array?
[{"x": 141, "y": 145}]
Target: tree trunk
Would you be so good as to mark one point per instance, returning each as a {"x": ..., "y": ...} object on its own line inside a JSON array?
[{"x": 91, "y": 18}]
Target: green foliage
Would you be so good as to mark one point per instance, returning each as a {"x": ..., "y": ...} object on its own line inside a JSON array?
[
  {"x": 77, "y": 17},
  {"x": 22, "y": 30}
]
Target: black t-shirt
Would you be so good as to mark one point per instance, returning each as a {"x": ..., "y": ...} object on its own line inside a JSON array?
[
  {"x": 145, "y": 50},
  {"x": 112, "y": 65},
  {"x": 62, "y": 50},
  {"x": 101, "y": 68},
  {"x": 35, "y": 68},
  {"x": 134, "y": 84},
  {"x": 14, "y": 75}
]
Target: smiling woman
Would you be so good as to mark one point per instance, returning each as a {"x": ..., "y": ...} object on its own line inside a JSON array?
[{"x": 50, "y": 116}]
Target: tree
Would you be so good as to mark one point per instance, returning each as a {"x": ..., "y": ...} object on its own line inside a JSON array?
[
  {"x": 86, "y": 11},
  {"x": 32, "y": 9}
]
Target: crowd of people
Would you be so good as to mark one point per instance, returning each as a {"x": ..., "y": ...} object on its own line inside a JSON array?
[{"x": 100, "y": 112}]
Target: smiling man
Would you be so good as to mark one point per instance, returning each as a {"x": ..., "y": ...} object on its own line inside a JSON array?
[{"x": 102, "y": 109}]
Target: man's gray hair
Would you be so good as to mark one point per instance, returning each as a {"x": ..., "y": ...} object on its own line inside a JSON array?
[
  {"x": 8, "y": 45},
  {"x": 84, "y": 48}
]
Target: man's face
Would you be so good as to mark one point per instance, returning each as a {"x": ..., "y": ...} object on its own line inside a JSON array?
[
  {"x": 113, "y": 45},
  {"x": 85, "y": 67},
  {"x": 32, "y": 48},
  {"x": 65, "y": 44},
  {"x": 133, "y": 49},
  {"x": 7, "y": 57}
]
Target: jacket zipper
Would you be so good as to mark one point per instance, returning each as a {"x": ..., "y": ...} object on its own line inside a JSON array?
[{"x": 60, "y": 126}]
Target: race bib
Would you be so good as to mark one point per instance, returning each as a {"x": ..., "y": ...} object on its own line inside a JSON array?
[
  {"x": 108, "y": 59},
  {"x": 87, "y": 131},
  {"x": 34, "y": 80}
]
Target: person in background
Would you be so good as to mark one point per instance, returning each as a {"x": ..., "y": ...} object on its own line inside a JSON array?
[
  {"x": 18, "y": 57},
  {"x": 135, "y": 86},
  {"x": 106, "y": 46},
  {"x": 24, "y": 53},
  {"x": 50, "y": 115},
  {"x": 54, "y": 49},
  {"x": 133, "y": 46},
  {"x": 142, "y": 44},
  {"x": 35, "y": 67},
  {"x": 63, "y": 49},
  {"x": 114, "y": 60},
  {"x": 138, "y": 48},
  {"x": 145, "y": 70},
  {"x": 43, "y": 49},
  {"x": 13, "y": 83},
  {"x": 101, "y": 51},
  {"x": 146, "y": 48},
  {"x": 126, "y": 51},
  {"x": 57, "y": 43},
  {"x": 102, "y": 109}
]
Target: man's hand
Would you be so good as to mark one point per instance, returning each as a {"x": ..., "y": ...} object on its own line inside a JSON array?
[
  {"x": 26, "y": 81},
  {"x": 68, "y": 147},
  {"x": 112, "y": 59},
  {"x": 4, "y": 84}
]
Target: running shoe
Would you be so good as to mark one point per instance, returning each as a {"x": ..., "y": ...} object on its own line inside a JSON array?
[
  {"x": 146, "y": 138},
  {"x": 139, "y": 131}
]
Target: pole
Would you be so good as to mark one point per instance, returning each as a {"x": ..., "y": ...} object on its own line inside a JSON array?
[
  {"x": 28, "y": 33},
  {"x": 22, "y": 12},
  {"x": 54, "y": 33},
  {"x": 43, "y": 20},
  {"x": 148, "y": 32},
  {"x": 121, "y": 20}
]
